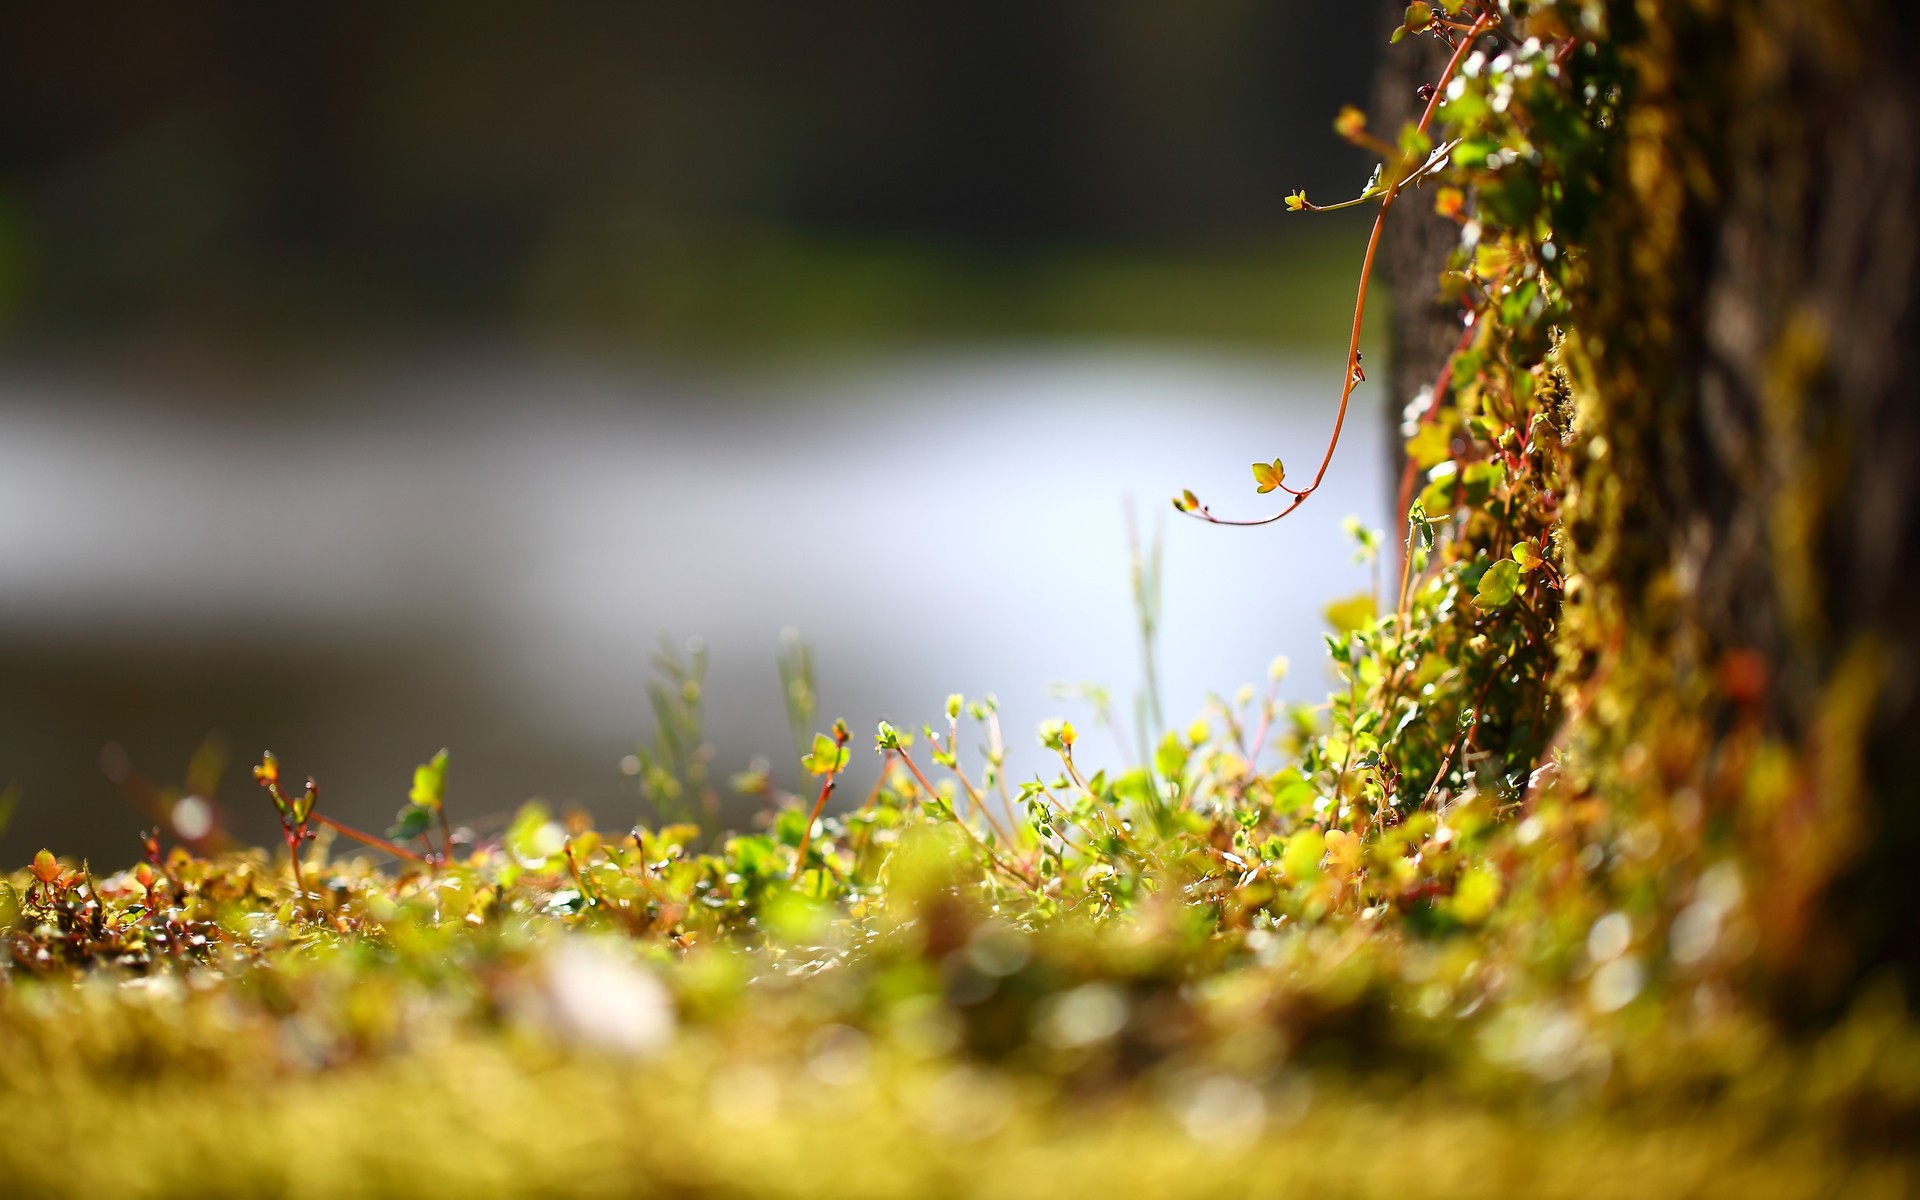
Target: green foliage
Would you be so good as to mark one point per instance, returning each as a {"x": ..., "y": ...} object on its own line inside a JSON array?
[{"x": 673, "y": 773}]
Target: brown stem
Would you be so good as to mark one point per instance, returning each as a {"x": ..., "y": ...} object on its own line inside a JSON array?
[
  {"x": 1446, "y": 760},
  {"x": 368, "y": 839},
  {"x": 293, "y": 840},
  {"x": 997, "y": 758},
  {"x": 965, "y": 828},
  {"x": 1409, "y": 472},
  {"x": 806, "y": 835},
  {"x": 1354, "y": 373},
  {"x": 975, "y": 796},
  {"x": 1353, "y": 704}
]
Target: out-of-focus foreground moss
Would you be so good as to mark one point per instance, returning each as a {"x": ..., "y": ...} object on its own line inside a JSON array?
[{"x": 485, "y": 1029}]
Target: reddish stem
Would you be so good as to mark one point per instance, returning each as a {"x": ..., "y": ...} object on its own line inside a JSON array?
[
  {"x": 819, "y": 804},
  {"x": 1354, "y": 373},
  {"x": 368, "y": 839},
  {"x": 964, "y": 827}
]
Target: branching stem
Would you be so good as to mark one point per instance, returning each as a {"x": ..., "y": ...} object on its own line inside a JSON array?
[
  {"x": 907, "y": 760},
  {"x": 820, "y": 803},
  {"x": 1355, "y": 375}
]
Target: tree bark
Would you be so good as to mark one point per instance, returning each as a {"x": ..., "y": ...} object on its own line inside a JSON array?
[
  {"x": 1748, "y": 511},
  {"x": 1422, "y": 327}
]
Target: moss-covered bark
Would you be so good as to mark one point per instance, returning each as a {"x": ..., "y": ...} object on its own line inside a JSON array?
[{"x": 1744, "y": 350}]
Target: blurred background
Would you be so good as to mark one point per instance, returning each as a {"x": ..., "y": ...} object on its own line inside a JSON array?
[{"x": 375, "y": 378}]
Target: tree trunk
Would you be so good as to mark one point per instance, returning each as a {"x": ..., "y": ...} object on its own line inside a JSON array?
[
  {"x": 1422, "y": 327},
  {"x": 1747, "y": 357}
]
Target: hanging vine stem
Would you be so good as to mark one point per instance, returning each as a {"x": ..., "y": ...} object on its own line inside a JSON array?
[{"x": 1186, "y": 501}]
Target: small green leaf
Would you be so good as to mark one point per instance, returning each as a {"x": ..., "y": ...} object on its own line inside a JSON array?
[
  {"x": 429, "y": 782},
  {"x": 1353, "y": 614},
  {"x": 1268, "y": 476},
  {"x": 1498, "y": 586},
  {"x": 827, "y": 756},
  {"x": 1528, "y": 556},
  {"x": 1421, "y": 524},
  {"x": 1301, "y": 859},
  {"x": 1415, "y": 144},
  {"x": 1475, "y": 896},
  {"x": 1170, "y": 760},
  {"x": 411, "y": 822},
  {"x": 1438, "y": 497},
  {"x": 1431, "y": 445},
  {"x": 1480, "y": 481}
]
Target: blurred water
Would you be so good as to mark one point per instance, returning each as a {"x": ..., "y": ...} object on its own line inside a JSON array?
[{"x": 482, "y": 555}]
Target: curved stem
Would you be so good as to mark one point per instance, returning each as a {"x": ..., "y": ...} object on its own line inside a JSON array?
[{"x": 1354, "y": 375}]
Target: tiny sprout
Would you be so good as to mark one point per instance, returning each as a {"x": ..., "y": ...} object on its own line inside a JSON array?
[
  {"x": 954, "y": 704},
  {"x": 46, "y": 868},
  {"x": 1528, "y": 556},
  {"x": 1186, "y": 501},
  {"x": 1268, "y": 476},
  {"x": 1296, "y": 201},
  {"x": 429, "y": 782},
  {"x": 829, "y": 754},
  {"x": 1057, "y": 735},
  {"x": 828, "y": 758}
]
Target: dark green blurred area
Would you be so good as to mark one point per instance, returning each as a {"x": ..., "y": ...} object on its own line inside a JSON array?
[{"x": 675, "y": 176}]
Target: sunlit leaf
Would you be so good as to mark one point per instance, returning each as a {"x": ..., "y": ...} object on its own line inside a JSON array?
[{"x": 1498, "y": 586}]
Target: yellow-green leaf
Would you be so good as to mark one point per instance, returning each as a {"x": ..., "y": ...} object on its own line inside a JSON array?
[
  {"x": 1352, "y": 614},
  {"x": 827, "y": 757},
  {"x": 429, "y": 782},
  {"x": 1498, "y": 586},
  {"x": 1301, "y": 859}
]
